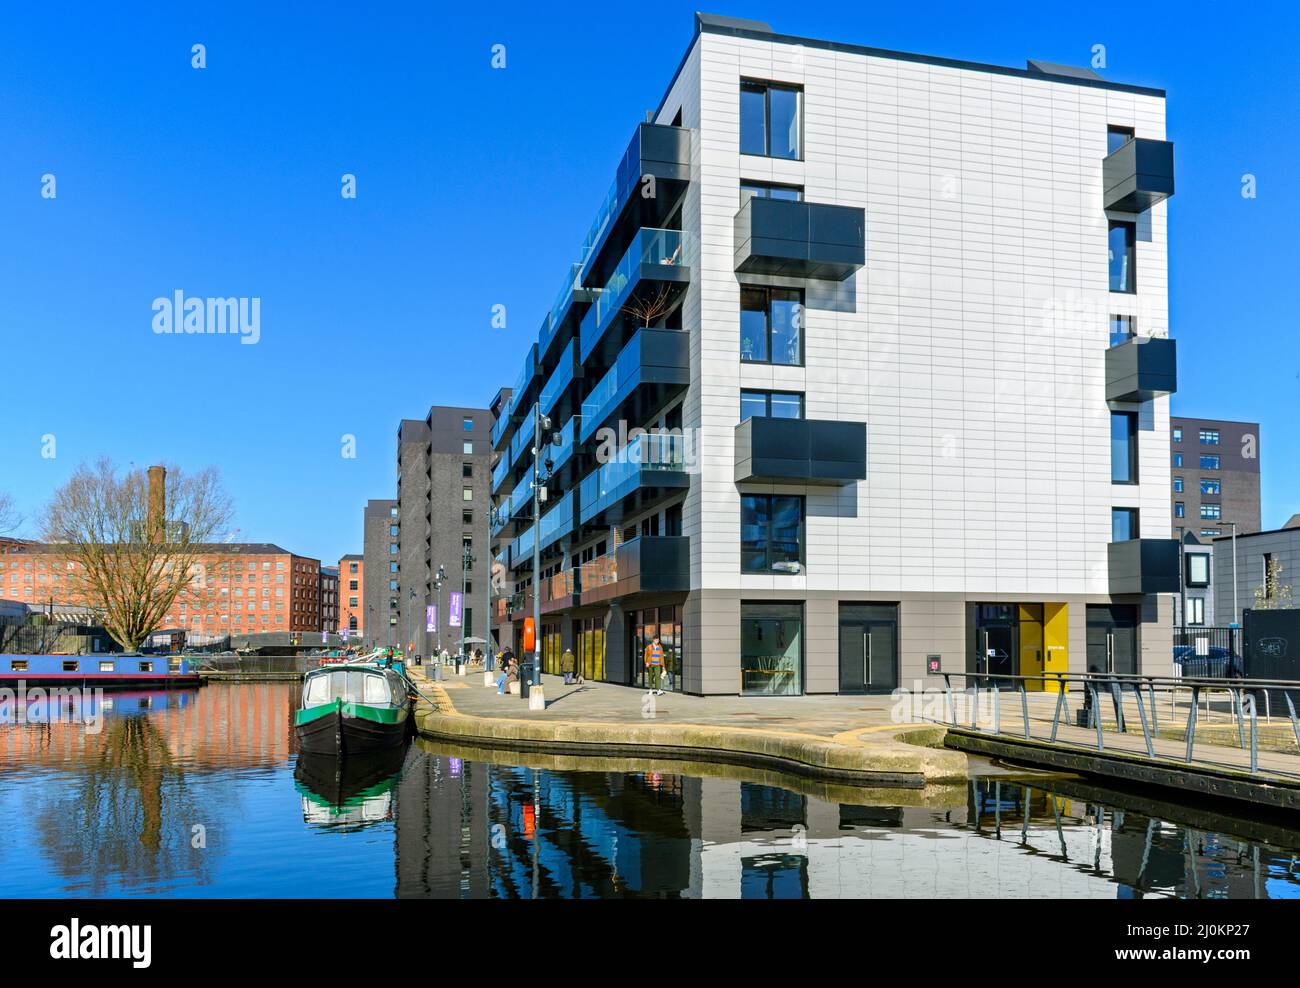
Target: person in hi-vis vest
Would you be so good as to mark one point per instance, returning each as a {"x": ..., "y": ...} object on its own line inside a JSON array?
[{"x": 654, "y": 665}]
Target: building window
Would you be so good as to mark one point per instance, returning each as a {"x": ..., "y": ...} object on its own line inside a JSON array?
[
  {"x": 1212, "y": 511},
  {"x": 352, "y": 567},
  {"x": 1211, "y": 487},
  {"x": 771, "y": 649},
  {"x": 1210, "y": 462},
  {"x": 1121, "y": 329},
  {"x": 1122, "y": 237},
  {"x": 769, "y": 190},
  {"x": 771, "y": 404},
  {"x": 1180, "y": 509},
  {"x": 468, "y": 424},
  {"x": 1178, "y": 485},
  {"x": 771, "y": 120},
  {"x": 771, "y": 533},
  {"x": 1195, "y": 610},
  {"x": 1198, "y": 569},
  {"x": 1209, "y": 437},
  {"x": 467, "y": 518},
  {"x": 1178, "y": 435},
  {"x": 467, "y": 447},
  {"x": 467, "y": 494},
  {"x": 352, "y": 602},
  {"x": 1123, "y": 447},
  {"x": 1178, "y": 459},
  {"x": 771, "y": 326},
  {"x": 467, "y": 470},
  {"x": 1117, "y": 137},
  {"x": 1123, "y": 524}
]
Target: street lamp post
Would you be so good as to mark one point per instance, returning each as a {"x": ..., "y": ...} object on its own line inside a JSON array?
[{"x": 541, "y": 441}]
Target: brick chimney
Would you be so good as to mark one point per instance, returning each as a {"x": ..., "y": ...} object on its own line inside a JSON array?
[{"x": 157, "y": 498}]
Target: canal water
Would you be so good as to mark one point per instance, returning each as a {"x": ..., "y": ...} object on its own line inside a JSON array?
[{"x": 203, "y": 793}]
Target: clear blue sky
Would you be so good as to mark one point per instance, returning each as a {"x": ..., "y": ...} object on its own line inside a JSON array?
[{"x": 475, "y": 187}]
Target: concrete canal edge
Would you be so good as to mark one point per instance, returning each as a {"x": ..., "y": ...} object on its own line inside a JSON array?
[
  {"x": 902, "y": 757},
  {"x": 1130, "y": 767}
]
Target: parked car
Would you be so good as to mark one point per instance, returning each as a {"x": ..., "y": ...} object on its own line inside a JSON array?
[{"x": 1219, "y": 663}]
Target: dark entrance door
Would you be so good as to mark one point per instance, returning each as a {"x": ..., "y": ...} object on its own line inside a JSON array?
[
  {"x": 996, "y": 640},
  {"x": 1112, "y": 638},
  {"x": 868, "y": 648}
]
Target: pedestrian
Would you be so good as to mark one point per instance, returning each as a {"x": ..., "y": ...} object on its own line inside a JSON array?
[
  {"x": 654, "y": 666},
  {"x": 566, "y": 666},
  {"x": 509, "y": 674},
  {"x": 478, "y": 657}
]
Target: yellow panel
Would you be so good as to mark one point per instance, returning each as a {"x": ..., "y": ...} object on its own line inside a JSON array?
[
  {"x": 1056, "y": 633},
  {"x": 1031, "y": 645}
]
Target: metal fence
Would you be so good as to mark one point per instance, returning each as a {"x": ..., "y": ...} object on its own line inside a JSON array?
[
  {"x": 37, "y": 635},
  {"x": 1207, "y": 652}
]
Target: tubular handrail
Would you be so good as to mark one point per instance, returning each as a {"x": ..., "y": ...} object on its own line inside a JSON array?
[{"x": 1241, "y": 691}]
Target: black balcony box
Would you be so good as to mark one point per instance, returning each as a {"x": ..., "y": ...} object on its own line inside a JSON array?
[
  {"x": 1141, "y": 369},
  {"x": 807, "y": 451},
  {"x": 799, "y": 239},
  {"x": 1137, "y": 175},
  {"x": 1143, "y": 566}
]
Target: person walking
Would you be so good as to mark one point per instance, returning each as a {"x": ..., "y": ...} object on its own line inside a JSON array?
[
  {"x": 654, "y": 666},
  {"x": 567, "y": 666}
]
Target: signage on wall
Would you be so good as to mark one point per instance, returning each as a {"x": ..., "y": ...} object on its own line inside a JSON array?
[{"x": 934, "y": 664}]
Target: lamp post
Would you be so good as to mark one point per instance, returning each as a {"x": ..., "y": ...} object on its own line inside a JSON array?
[
  {"x": 541, "y": 441},
  {"x": 1234, "y": 623}
]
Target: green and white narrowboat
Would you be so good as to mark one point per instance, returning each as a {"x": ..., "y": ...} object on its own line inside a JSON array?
[{"x": 351, "y": 708}]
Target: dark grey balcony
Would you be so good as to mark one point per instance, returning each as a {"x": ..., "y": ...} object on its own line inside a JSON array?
[
  {"x": 1137, "y": 175},
  {"x": 1143, "y": 566},
  {"x": 806, "y": 451},
  {"x": 649, "y": 564},
  {"x": 799, "y": 239},
  {"x": 1141, "y": 369}
]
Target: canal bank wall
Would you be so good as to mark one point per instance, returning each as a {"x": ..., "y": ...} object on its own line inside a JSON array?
[{"x": 883, "y": 756}]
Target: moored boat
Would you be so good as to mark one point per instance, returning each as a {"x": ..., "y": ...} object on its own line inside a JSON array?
[
  {"x": 351, "y": 708},
  {"x": 102, "y": 670}
]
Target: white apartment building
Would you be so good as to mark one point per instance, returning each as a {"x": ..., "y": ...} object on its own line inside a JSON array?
[{"x": 905, "y": 320}]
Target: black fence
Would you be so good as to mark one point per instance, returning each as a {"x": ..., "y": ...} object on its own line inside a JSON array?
[
  {"x": 1272, "y": 643},
  {"x": 1208, "y": 652},
  {"x": 35, "y": 634}
]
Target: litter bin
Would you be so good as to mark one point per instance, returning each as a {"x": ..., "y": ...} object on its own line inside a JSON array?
[{"x": 525, "y": 678}]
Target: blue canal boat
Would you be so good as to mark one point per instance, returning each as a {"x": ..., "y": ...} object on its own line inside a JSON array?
[{"x": 103, "y": 670}]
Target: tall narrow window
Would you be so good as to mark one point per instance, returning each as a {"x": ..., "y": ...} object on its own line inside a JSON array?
[
  {"x": 1122, "y": 238},
  {"x": 1123, "y": 447},
  {"x": 771, "y": 120},
  {"x": 1121, "y": 329},
  {"x": 771, "y": 325},
  {"x": 1123, "y": 524}
]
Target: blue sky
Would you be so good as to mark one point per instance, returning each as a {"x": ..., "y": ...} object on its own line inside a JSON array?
[{"x": 475, "y": 187}]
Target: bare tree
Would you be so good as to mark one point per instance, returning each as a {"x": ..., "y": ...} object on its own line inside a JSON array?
[
  {"x": 131, "y": 552},
  {"x": 646, "y": 309},
  {"x": 9, "y": 517}
]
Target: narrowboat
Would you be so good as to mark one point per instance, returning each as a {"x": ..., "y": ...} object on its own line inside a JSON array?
[
  {"x": 353, "y": 707},
  {"x": 102, "y": 670}
]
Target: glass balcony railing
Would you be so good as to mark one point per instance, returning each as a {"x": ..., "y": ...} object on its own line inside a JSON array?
[
  {"x": 501, "y": 470},
  {"x": 522, "y": 547},
  {"x": 559, "y": 309},
  {"x": 563, "y": 452},
  {"x": 635, "y": 466},
  {"x": 561, "y": 585},
  {"x": 560, "y": 379},
  {"x": 519, "y": 503},
  {"x": 525, "y": 378},
  {"x": 522, "y": 440},
  {"x": 665, "y": 248},
  {"x": 599, "y": 572},
  {"x": 557, "y": 522}
]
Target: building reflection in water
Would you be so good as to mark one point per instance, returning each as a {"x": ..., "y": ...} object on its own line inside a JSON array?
[{"x": 493, "y": 830}]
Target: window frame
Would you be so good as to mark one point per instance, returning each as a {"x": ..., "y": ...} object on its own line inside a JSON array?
[
  {"x": 769, "y": 540},
  {"x": 767, "y": 397},
  {"x": 768, "y": 295},
  {"x": 767, "y": 85},
  {"x": 1132, "y": 441},
  {"x": 1131, "y": 270}
]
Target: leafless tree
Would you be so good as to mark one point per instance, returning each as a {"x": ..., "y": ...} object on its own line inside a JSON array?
[
  {"x": 646, "y": 309},
  {"x": 131, "y": 557},
  {"x": 9, "y": 517},
  {"x": 1273, "y": 594}
]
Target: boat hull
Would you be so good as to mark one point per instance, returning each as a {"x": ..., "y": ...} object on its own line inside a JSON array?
[{"x": 342, "y": 730}]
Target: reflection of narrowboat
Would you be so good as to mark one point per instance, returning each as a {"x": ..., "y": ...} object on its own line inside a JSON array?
[
  {"x": 103, "y": 671},
  {"x": 353, "y": 708},
  {"x": 348, "y": 793}
]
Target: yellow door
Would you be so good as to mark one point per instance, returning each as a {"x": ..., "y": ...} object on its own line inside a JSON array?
[
  {"x": 1031, "y": 644},
  {"x": 1056, "y": 641}
]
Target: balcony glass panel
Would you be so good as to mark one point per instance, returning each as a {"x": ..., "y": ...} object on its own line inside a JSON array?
[
  {"x": 523, "y": 438},
  {"x": 560, "y": 379},
  {"x": 500, "y": 471},
  {"x": 568, "y": 435},
  {"x": 557, "y": 522},
  {"x": 634, "y": 465}
]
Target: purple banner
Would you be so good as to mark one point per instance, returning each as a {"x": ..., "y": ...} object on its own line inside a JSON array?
[
  {"x": 453, "y": 610},
  {"x": 431, "y": 618}
]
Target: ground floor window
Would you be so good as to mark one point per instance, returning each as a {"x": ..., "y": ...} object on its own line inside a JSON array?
[
  {"x": 589, "y": 636},
  {"x": 551, "y": 649},
  {"x": 666, "y": 622},
  {"x": 771, "y": 649}
]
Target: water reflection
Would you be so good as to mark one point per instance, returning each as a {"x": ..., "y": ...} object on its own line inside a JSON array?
[{"x": 203, "y": 793}]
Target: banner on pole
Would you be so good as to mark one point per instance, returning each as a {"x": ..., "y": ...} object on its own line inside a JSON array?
[
  {"x": 453, "y": 610},
  {"x": 431, "y": 618}
]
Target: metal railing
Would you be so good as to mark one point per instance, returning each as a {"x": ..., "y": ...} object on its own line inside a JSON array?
[{"x": 1243, "y": 696}]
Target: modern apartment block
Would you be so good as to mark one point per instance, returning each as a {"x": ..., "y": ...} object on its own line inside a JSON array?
[
  {"x": 443, "y": 471},
  {"x": 379, "y": 598},
  {"x": 1215, "y": 468},
  {"x": 1266, "y": 563},
  {"x": 862, "y": 371},
  {"x": 352, "y": 584}
]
